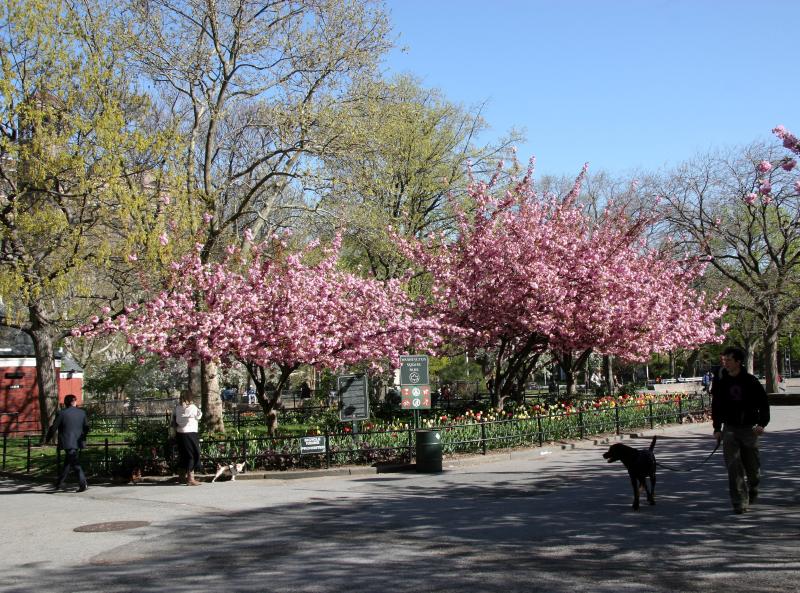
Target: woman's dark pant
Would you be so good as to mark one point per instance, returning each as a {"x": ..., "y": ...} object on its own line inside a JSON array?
[{"x": 189, "y": 451}]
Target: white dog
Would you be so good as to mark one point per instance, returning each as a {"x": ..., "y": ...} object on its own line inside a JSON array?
[{"x": 234, "y": 468}]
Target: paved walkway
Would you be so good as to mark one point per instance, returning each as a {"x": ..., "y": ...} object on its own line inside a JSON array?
[{"x": 551, "y": 520}]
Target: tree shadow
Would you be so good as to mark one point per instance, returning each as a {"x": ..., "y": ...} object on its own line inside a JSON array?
[{"x": 563, "y": 527}]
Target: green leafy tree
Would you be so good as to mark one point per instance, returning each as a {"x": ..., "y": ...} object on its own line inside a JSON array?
[
  {"x": 415, "y": 149},
  {"x": 77, "y": 172},
  {"x": 258, "y": 89}
]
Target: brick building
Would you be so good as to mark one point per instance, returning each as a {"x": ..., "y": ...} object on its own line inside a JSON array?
[{"x": 19, "y": 393}]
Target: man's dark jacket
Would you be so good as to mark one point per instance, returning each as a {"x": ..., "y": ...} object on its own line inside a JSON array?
[
  {"x": 72, "y": 428},
  {"x": 738, "y": 401}
]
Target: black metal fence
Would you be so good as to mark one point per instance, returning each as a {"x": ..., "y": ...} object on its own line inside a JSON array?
[{"x": 360, "y": 445}]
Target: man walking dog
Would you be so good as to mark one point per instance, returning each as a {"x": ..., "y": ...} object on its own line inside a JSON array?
[
  {"x": 740, "y": 412},
  {"x": 72, "y": 428}
]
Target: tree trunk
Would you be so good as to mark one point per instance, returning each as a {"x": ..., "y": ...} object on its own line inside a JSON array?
[
  {"x": 749, "y": 356},
  {"x": 608, "y": 373},
  {"x": 571, "y": 387},
  {"x": 691, "y": 362},
  {"x": 771, "y": 354},
  {"x": 195, "y": 379},
  {"x": 570, "y": 364},
  {"x": 211, "y": 401},
  {"x": 269, "y": 400},
  {"x": 40, "y": 333},
  {"x": 587, "y": 373}
]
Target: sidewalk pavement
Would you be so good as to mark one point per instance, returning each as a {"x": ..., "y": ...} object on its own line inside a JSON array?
[{"x": 552, "y": 520}]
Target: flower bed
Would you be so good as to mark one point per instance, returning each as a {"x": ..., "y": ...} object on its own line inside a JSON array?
[{"x": 470, "y": 432}]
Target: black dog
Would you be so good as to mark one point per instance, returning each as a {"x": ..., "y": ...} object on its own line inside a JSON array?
[{"x": 640, "y": 464}]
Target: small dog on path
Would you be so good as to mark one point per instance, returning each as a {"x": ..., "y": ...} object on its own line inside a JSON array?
[
  {"x": 234, "y": 468},
  {"x": 640, "y": 465}
]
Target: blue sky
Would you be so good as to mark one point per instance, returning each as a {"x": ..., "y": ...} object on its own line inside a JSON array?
[{"x": 622, "y": 84}]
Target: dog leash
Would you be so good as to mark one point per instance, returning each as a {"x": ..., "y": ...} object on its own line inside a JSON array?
[{"x": 691, "y": 468}]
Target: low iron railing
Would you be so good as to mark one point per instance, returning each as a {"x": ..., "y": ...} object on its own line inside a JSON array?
[{"x": 107, "y": 457}]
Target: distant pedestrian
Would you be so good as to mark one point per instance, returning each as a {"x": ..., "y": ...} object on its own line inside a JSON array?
[
  {"x": 72, "y": 427},
  {"x": 185, "y": 417},
  {"x": 740, "y": 412},
  {"x": 706, "y": 381}
]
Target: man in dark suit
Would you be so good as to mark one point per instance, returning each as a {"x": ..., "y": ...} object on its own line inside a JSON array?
[{"x": 72, "y": 428}]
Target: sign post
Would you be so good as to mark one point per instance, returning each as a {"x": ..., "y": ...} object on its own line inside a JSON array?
[
  {"x": 415, "y": 389},
  {"x": 353, "y": 398}
]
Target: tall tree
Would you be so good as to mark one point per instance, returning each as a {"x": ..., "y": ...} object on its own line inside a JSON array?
[
  {"x": 77, "y": 169},
  {"x": 528, "y": 273},
  {"x": 258, "y": 86},
  {"x": 414, "y": 149},
  {"x": 742, "y": 211},
  {"x": 274, "y": 314}
]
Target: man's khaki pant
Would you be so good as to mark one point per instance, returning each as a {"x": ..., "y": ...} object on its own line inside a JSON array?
[{"x": 740, "y": 447}]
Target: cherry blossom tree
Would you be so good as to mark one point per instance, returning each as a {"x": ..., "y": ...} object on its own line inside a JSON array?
[
  {"x": 275, "y": 311},
  {"x": 527, "y": 272}
]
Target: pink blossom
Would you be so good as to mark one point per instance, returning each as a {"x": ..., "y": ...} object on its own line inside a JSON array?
[
  {"x": 530, "y": 271},
  {"x": 132, "y": 257},
  {"x": 165, "y": 199},
  {"x": 248, "y": 235},
  {"x": 764, "y": 166},
  {"x": 163, "y": 239},
  {"x": 766, "y": 200},
  {"x": 278, "y": 311},
  {"x": 750, "y": 198},
  {"x": 797, "y": 185},
  {"x": 207, "y": 217},
  {"x": 790, "y": 141},
  {"x": 789, "y": 164},
  {"x": 765, "y": 188}
]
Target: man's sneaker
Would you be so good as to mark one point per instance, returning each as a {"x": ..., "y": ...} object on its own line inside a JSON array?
[{"x": 83, "y": 488}]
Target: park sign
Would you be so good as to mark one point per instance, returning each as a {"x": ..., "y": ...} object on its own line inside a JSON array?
[
  {"x": 415, "y": 390},
  {"x": 309, "y": 445},
  {"x": 414, "y": 370},
  {"x": 353, "y": 397}
]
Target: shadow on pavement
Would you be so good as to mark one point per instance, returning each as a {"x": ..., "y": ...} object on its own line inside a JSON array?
[{"x": 564, "y": 529}]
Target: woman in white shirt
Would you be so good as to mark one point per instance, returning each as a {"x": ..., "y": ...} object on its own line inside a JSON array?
[{"x": 185, "y": 419}]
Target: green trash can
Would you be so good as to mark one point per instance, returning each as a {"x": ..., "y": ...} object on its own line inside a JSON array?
[{"x": 429, "y": 451}]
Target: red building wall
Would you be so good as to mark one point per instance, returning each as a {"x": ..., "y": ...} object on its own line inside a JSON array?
[{"x": 19, "y": 395}]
